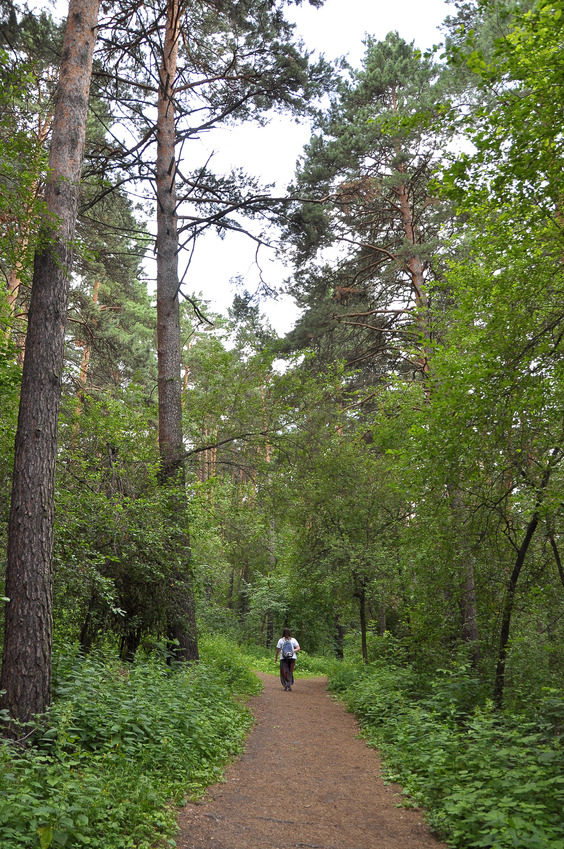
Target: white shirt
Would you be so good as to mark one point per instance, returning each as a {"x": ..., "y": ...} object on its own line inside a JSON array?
[{"x": 292, "y": 640}]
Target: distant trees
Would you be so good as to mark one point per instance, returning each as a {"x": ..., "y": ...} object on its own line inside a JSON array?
[
  {"x": 477, "y": 455},
  {"x": 347, "y": 521},
  {"x": 230, "y": 399}
]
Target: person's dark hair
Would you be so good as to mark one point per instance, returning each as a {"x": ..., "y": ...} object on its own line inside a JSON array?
[{"x": 286, "y": 633}]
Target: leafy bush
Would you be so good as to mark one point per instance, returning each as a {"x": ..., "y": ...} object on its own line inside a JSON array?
[
  {"x": 488, "y": 781},
  {"x": 122, "y": 744}
]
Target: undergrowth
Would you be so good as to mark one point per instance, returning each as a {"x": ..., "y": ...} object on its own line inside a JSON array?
[
  {"x": 122, "y": 746},
  {"x": 487, "y": 780},
  {"x": 307, "y": 665}
]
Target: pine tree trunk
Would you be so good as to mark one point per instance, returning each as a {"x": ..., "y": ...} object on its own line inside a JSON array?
[
  {"x": 414, "y": 266},
  {"x": 181, "y": 613},
  {"x": 26, "y": 667},
  {"x": 168, "y": 312}
]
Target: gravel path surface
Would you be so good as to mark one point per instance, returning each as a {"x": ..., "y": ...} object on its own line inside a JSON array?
[{"x": 304, "y": 780}]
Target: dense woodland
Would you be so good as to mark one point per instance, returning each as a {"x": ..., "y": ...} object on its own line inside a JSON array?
[{"x": 387, "y": 479}]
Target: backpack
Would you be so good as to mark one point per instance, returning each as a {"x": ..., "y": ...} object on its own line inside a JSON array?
[{"x": 287, "y": 650}]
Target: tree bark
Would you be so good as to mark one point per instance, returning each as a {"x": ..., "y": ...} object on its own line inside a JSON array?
[
  {"x": 181, "y": 613},
  {"x": 415, "y": 269},
  {"x": 414, "y": 265},
  {"x": 26, "y": 666},
  {"x": 361, "y": 596},
  {"x": 507, "y": 612},
  {"x": 168, "y": 311}
]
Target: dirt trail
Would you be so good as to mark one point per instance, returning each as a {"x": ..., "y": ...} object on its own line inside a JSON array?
[{"x": 304, "y": 780}]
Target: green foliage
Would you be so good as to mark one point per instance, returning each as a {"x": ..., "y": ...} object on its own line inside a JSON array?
[
  {"x": 23, "y": 163},
  {"x": 339, "y": 499},
  {"x": 111, "y": 317},
  {"x": 516, "y": 126},
  {"x": 28, "y": 43},
  {"x": 113, "y": 569},
  {"x": 488, "y": 781},
  {"x": 307, "y": 665},
  {"x": 230, "y": 659},
  {"x": 363, "y": 185},
  {"x": 121, "y": 744},
  {"x": 10, "y": 377}
]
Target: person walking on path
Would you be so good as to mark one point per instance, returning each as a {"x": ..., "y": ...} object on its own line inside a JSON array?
[{"x": 287, "y": 648}]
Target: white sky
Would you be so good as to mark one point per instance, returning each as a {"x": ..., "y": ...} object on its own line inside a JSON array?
[{"x": 336, "y": 29}]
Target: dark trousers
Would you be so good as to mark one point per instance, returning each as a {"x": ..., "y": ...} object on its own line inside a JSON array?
[{"x": 287, "y": 671}]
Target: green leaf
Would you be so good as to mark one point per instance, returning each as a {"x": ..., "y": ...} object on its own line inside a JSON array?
[{"x": 45, "y": 836}]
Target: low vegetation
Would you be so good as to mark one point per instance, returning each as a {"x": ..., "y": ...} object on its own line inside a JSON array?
[
  {"x": 307, "y": 665},
  {"x": 487, "y": 780},
  {"x": 123, "y": 746}
]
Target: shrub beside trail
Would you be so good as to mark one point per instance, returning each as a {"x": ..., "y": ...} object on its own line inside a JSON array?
[
  {"x": 487, "y": 780},
  {"x": 121, "y": 745}
]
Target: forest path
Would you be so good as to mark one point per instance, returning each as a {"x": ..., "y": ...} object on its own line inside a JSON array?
[{"x": 304, "y": 780}]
